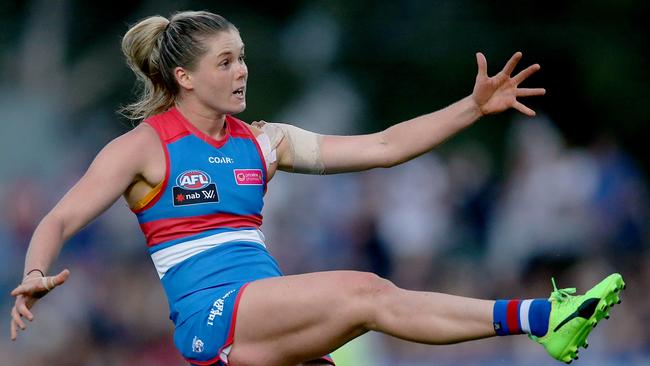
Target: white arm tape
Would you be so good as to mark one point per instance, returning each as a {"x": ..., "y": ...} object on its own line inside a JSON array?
[
  {"x": 267, "y": 150},
  {"x": 304, "y": 146}
]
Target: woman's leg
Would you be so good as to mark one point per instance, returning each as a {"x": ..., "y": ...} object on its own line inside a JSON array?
[{"x": 287, "y": 320}]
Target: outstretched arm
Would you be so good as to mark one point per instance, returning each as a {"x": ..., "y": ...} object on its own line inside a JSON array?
[
  {"x": 411, "y": 138},
  {"x": 112, "y": 171}
]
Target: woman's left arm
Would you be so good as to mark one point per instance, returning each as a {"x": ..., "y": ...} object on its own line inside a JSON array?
[{"x": 414, "y": 137}]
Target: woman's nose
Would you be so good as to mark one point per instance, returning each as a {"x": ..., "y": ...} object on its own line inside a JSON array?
[{"x": 242, "y": 71}]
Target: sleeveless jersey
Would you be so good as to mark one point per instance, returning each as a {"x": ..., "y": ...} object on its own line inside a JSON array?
[{"x": 211, "y": 198}]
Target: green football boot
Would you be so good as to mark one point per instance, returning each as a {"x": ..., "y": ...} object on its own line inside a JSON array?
[{"x": 573, "y": 317}]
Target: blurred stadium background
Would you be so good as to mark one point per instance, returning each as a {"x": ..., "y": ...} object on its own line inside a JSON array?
[{"x": 495, "y": 212}]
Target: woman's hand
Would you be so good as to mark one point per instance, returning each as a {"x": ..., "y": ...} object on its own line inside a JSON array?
[
  {"x": 27, "y": 293},
  {"x": 498, "y": 93}
]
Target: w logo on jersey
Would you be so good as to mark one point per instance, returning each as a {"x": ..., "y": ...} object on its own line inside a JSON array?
[
  {"x": 193, "y": 179},
  {"x": 193, "y": 187}
]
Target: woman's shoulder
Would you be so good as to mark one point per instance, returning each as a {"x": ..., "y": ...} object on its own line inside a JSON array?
[
  {"x": 135, "y": 143},
  {"x": 136, "y": 150},
  {"x": 142, "y": 134}
]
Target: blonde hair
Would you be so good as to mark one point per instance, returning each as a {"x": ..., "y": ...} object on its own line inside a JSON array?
[{"x": 155, "y": 46}]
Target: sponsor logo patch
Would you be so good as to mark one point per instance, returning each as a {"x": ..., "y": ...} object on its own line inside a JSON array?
[
  {"x": 220, "y": 160},
  {"x": 249, "y": 177},
  {"x": 193, "y": 187}
]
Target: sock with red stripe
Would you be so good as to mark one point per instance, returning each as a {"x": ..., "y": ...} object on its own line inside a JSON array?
[{"x": 521, "y": 316}]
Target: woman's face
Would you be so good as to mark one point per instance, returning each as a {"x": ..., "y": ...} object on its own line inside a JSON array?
[{"x": 219, "y": 80}]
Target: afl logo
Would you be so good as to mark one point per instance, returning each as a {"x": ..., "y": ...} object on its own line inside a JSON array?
[{"x": 193, "y": 179}]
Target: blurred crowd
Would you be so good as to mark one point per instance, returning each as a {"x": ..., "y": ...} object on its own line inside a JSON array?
[{"x": 442, "y": 222}]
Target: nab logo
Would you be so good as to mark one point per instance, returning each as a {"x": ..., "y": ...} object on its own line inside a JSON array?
[{"x": 193, "y": 179}]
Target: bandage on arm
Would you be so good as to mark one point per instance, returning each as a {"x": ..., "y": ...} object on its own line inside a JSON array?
[{"x": 303, "y": 147}]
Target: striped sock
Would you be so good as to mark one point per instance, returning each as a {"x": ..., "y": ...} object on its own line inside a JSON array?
[{"x": 521, "y": 316}]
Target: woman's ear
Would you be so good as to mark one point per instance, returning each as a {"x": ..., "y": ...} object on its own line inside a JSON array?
[{"x": 183, "y": 78}]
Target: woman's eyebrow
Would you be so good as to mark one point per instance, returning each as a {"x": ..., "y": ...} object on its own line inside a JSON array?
[{"x": 226, "y": 52}]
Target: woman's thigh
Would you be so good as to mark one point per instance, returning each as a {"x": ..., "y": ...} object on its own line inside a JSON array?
[{"x": 287, "y": 320}]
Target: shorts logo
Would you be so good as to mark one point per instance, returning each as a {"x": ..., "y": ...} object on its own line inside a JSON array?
[
  {"x": 217, "y": 307},
  {"x": 193, "y": 187},
  {"x": 249, "y": 177},
  {"x": 197, "y": 345}
]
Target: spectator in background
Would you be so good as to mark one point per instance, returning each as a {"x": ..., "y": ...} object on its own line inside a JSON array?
[{"x": 545, "y": 205}]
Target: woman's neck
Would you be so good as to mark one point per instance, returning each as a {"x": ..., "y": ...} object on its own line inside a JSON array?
[{"x": 208, "y": 122}]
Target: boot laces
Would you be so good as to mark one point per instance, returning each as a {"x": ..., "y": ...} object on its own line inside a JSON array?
[{"x": 561, "y": 295}]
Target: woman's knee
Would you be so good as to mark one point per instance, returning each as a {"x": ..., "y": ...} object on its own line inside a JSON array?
[{"x": 366, "y": 292}]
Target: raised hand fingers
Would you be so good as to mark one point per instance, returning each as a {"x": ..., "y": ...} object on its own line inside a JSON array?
[
  {"x": 482, "y": 65},
  {"x": 512, "y": 63},
  {"x": 530, "y": 92},
  {"x": 523, "y": 109},
  {"x": 525, "y": 73}
]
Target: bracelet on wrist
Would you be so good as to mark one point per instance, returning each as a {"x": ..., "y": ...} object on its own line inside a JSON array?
[{"x": 35, "y": 270}]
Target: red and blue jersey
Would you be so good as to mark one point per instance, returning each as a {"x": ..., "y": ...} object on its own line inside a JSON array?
[
  {"x": 210, "y": 185},
  {"x": 210, "y": 199}
]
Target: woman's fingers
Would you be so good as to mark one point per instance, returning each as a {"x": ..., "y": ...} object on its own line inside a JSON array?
[
  {"x": 482, "y": 64},
  {"x": 512, "y": 63},
  {"x": 15, "y": 317},
  {"x": 508, "y": 68},
  {"x": 20, "y": 310},
  {"x": 59, "y": 279},
  {"x": 494, "y": 94},
  {"x": 530, "y": 92},
  {"x": 258, "y": 124},
  {"x": 525, "y": 73},
  {"x": 523, "y": 109},
  {"x": 30, "y": 286},
  {"x": 21, "y": 289},
  {"x": 13, "y": 330},
  {"x": 16, "y": 322},
  {"x": 24, "y": 311},
  {"x": 40, "y": 284},
  {"x": 27, "y": 293}
]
